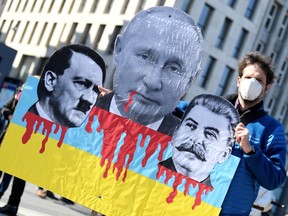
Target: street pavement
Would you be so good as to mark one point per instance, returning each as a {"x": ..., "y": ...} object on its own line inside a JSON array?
[{"x": 32, "y": 205}]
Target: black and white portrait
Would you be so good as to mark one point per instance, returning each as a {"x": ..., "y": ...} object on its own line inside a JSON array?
[
  {"x": 156, "y": 58},
  {"x": 203, "y": 138},
  {"x": 69, "y": 85}
]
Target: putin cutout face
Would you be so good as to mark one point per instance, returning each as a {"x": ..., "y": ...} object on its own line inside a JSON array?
[{"x": 154, "y": 63}]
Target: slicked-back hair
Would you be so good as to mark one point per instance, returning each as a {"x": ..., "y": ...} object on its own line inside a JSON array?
[{"x": 60, "y": 60}]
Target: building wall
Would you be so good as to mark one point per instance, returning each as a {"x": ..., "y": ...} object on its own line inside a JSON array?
[{"x": 36, "y": 28}]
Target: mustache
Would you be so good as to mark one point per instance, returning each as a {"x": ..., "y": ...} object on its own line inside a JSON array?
[
  {"x": 83, "y": 106},
  {"x": 195, "y": 147}
]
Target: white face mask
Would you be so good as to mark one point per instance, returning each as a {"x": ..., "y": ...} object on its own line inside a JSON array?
[{"x": 250, "y": 89}]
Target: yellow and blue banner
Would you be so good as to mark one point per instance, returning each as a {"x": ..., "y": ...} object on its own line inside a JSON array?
[{"x": 109, "y": 164}]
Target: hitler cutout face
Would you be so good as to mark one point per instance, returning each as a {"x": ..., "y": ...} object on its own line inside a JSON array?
[
  {"x": 202, "y": 140},
  {"x": 156, "y": 60},
  {"x": 74, "y": 93}
]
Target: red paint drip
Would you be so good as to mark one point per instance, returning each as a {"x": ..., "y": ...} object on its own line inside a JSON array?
[
  {"x": 129, "y": 102},
  {"x": 35, "y": 120},
  {"x": 113, "y": 127},
  {"x": 178, "y": 180},
  {"x": 88, "y": 126}
]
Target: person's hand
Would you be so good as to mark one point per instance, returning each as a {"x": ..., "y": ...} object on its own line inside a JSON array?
[
  {"x": 10, "y": 117},
  {"x": 242, "y": 137},
  {"x": 103, "y": 91}
]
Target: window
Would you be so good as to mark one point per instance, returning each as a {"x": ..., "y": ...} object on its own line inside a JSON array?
[
  {"x": 94, "y": 6},
  {"x": 32, "y": 33},
  {"x": 24, "y": 32},
  {"x": 61, "y": 6},
  {"x": 240, "y": 43},
  {"x": 62, "y": 32},
  {"x": 2, "y": 26},
  {"x": 124, "y": 7},
  {"x": 270, "y": 106},
  {"x": 42, "y": 6},
  {"x": 283, "y": 113},
  {"x": 33, "y": 6},
  {"x": 98, "y": 36},
  {"x": 140, "y": 5},
  {"x": 50, "y": 34},
  {"x": 25, "y": 66},
  {"x": 231, "y": 3},
  {"x": 202, "y": 81},
  {"x": 250, "y": 9},
  {"x": 16, "y": 10},
  {"x": 40, "y": 65},
  {"x": 51, "y": 6},
  {"x": 270, "y": 17},
  {"x": 71, "y": 6},
  {"x": 116, "y": 31},
  {"x": 204, "y": 17},
  {"x": 25, "y": 5},
  {"x": 15, "y": 28},
  {"x": 82, "y": 5},
  {"x": 282, "y": 73},
  {"x": 273, "y": 56},
  {"x": 186, "y": 5},
  {"x": 4, "y": 35},
  {"x": 108, "y": 6},
  {"x": 225, "y": 79},
  {"x": 42, "y": 33},
  {"x": 85, "y": 34},
  {"x": 260, "y": 47},
  {"x": 160, "y": 2},
  {"x": 9, "y": 7},
  {"x": 223, "y": 33},
  {"x": 71, "y": 33},
  {"x": 283, "y": 27}
]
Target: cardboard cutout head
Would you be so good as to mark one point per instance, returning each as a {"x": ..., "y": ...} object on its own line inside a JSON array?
[
  {"x": 157, "y": 58},
  {"x": 68, "y": 87},
  {"x": 204, "y": 137}
]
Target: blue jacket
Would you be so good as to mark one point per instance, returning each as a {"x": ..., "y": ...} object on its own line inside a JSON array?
[{"x": 266, "y": 167}]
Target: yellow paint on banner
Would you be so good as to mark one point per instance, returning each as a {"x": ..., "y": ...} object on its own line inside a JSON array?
[{"x": 77, "y": 175}]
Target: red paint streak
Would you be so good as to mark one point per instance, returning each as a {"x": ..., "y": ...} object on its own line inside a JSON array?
[
  {"x": 113, "y": 127},
  {"x": 35, "y": 120},
  {"x": 129, "y": 102},
  {"x": 178, "y": 180}
]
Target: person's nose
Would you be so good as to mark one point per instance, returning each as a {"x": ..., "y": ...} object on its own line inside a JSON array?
[
  {"x": 152, "y": 78},
  {"x": 199, "y": 139},
  {"x": 89, "y": 95}
]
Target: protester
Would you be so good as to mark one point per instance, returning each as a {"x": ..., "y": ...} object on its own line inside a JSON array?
[
  {"x": 156, "y": 59},
  {"x": 69, "y": 85},
  {"x": 261, "y": 144},
  {"x": 11, "y": 208},
  {"x": 4, "y": 183},
  {"x": 203, "y": 138}
]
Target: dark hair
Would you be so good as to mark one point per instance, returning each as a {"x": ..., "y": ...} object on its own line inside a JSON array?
[
  {"x": 216, "y": 105},
  {"x": 264, "y": 62},
  {"x": 60, "y": 60}
]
